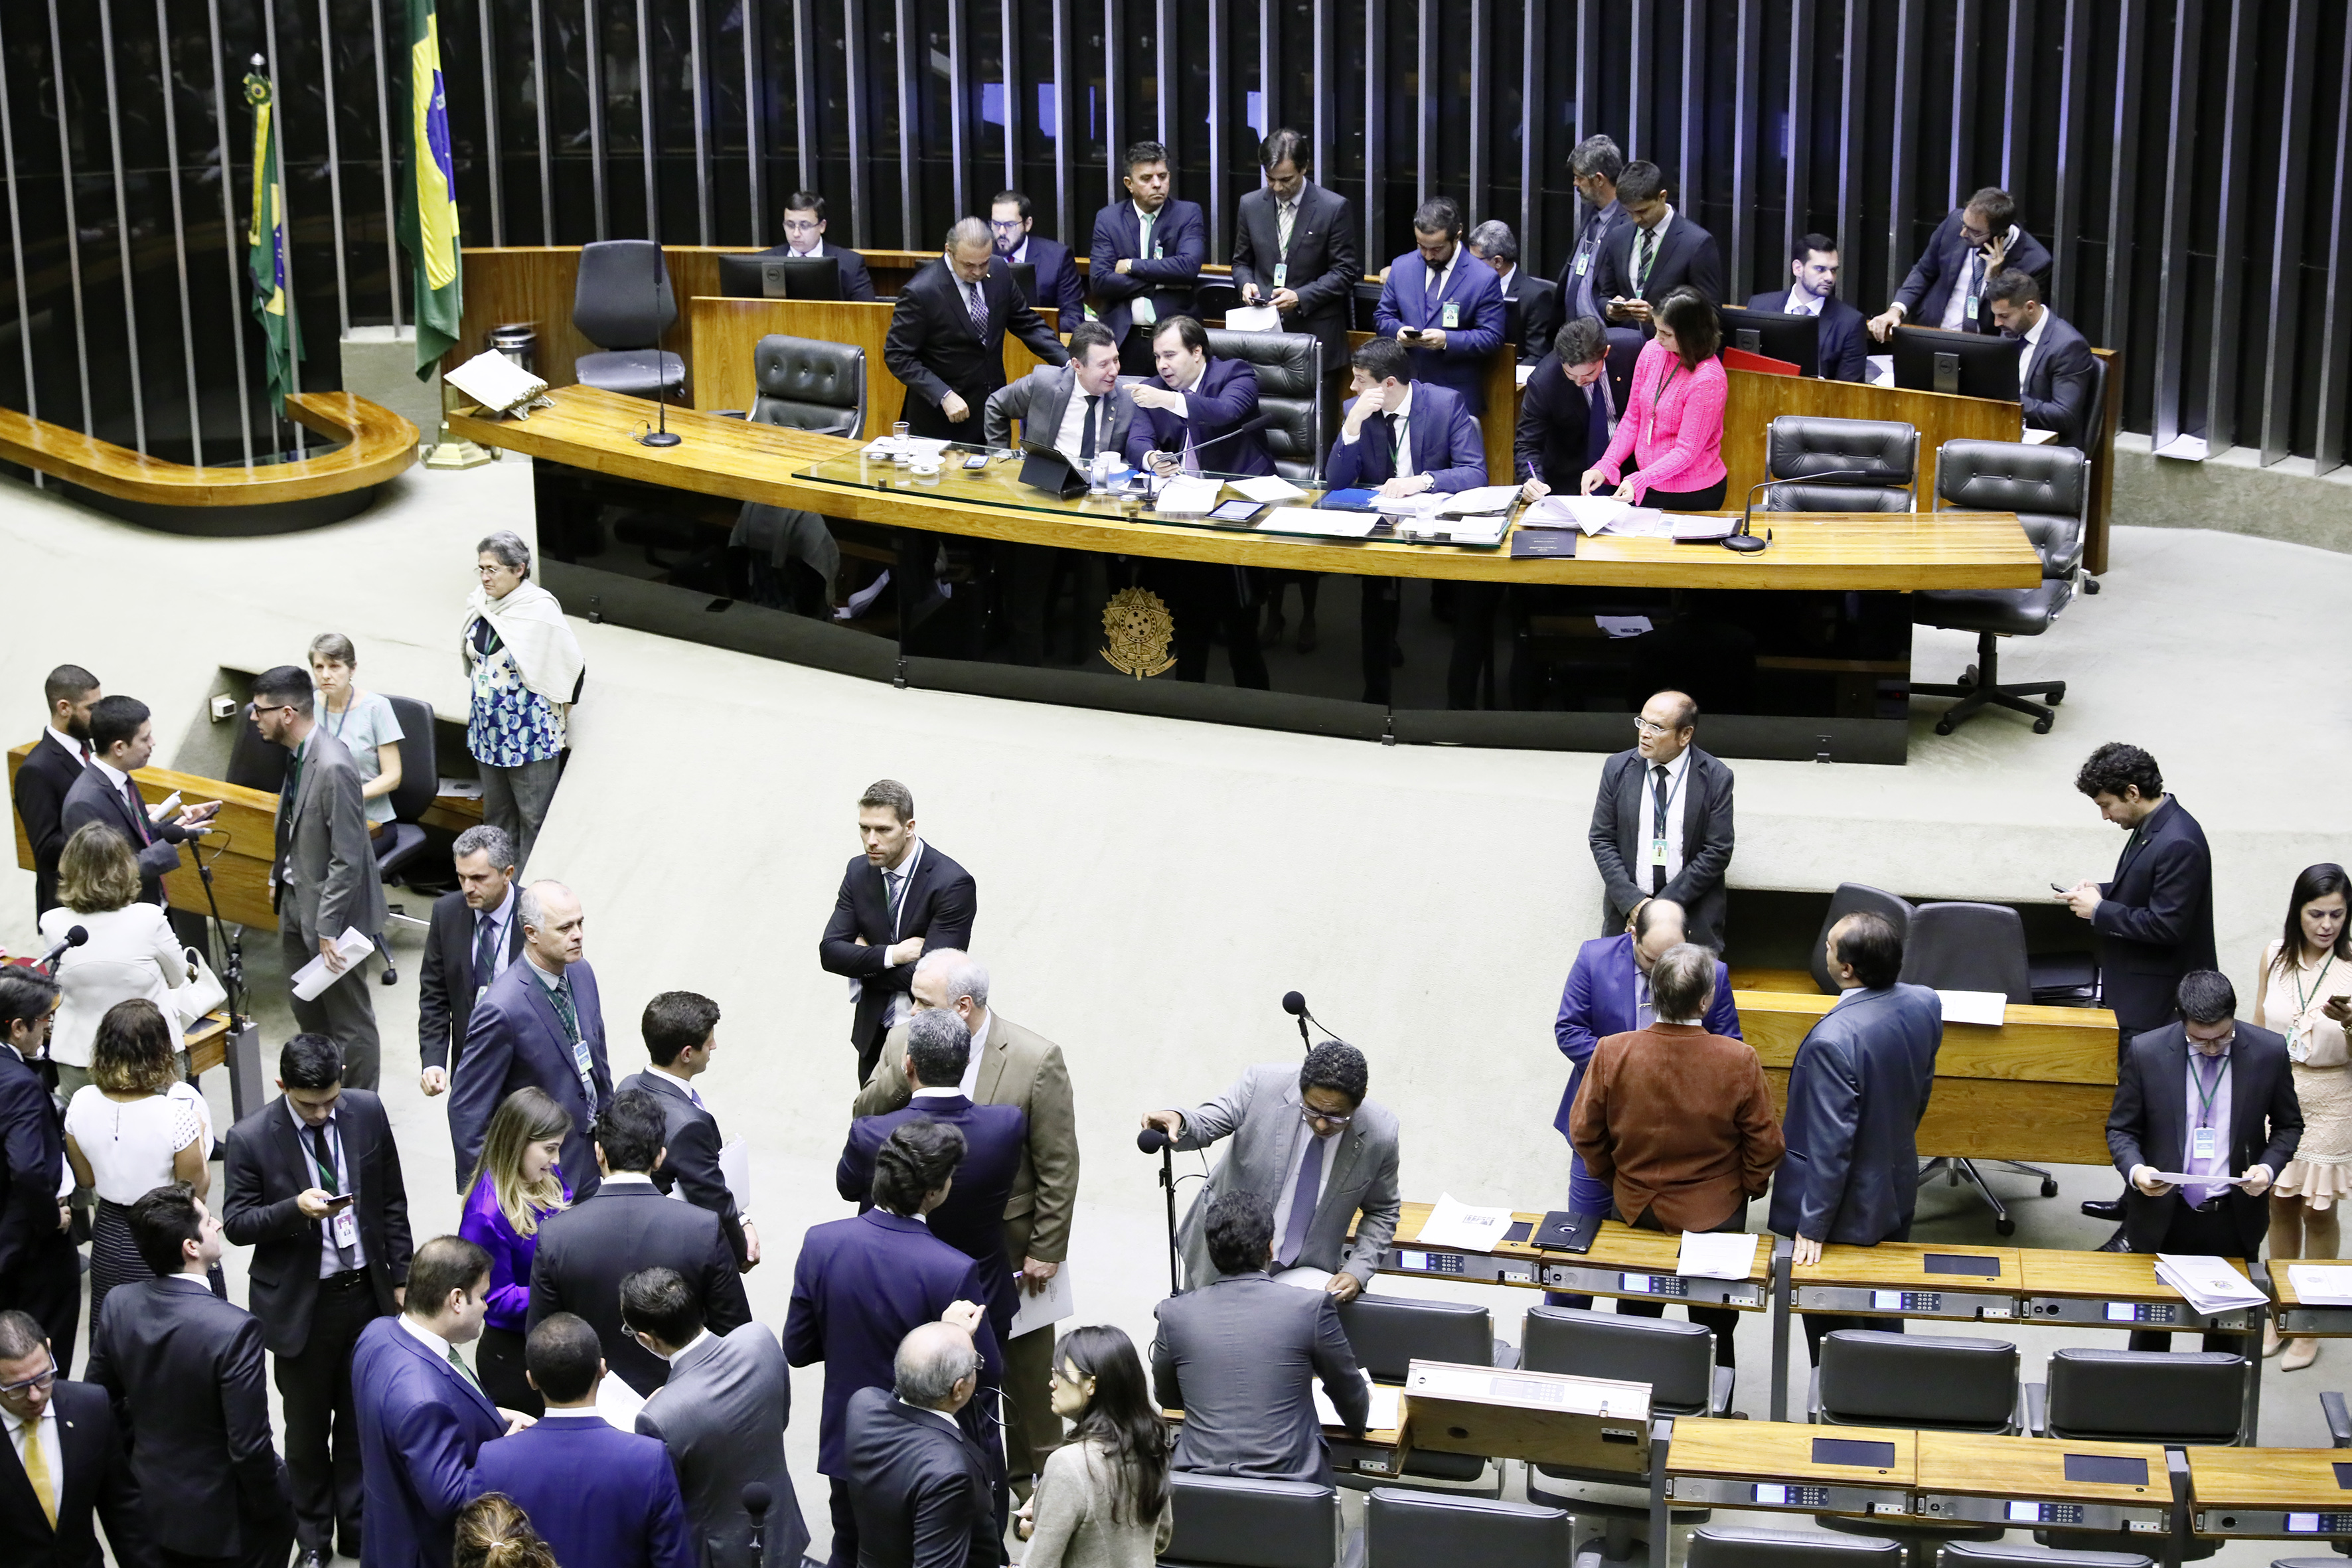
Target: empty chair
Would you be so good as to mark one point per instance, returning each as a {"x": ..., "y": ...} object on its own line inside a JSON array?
[
  {"x": 2017, "y": 1555},
  {"x": 623, "y": 304},
  {"x": 1415, "y": 1530},
  {"x": 1839, "y": 465},
  {"x": 1289, "y": 369},
  {"x": 804, "y": 384},
  {"x": 1738, "y": 1546},
  {"x": 2049, "y": 489},
  {"x": 1854, "y": 899},
  {"x": 2144, "y": 1396},
  {"x": 1940, "y": 1383},
  {"x": 1240, "y": 1521},
  {"x": 1389, "y": 1334},
  {"x": 1212, "y": 298},
  {"x": 1973, "y": 947},
  {"x": 402, "y": 841}
]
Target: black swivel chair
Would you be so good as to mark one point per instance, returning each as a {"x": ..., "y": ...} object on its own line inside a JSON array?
[
  {"x": 1938, "y": 1382},
  {"x": 1242, "y": 1521},
  {"x": 1855, "y": 898},
  {"x": 2181, "y": 1399},
  {"x": 401, "y": 844},
  {"x": 1876, "y": 462},
  {"x": 1739, "y": 1546},
  {"x": 2049, "y": 489},
  {"x": 1212, "y": 297},
  {"x": 1289, "y": 369},
  {"x": 1367, "y": 305},
  {"x": 1415, "y": 1530},
  {"x": 623, "y": 304},
  {"x": 1389, "y": 1334},
  {"x": 2017, "y": 1555}
]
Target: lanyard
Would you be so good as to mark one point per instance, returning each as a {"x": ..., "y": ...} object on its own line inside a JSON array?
[
  {"x": 2205, "y": 1091},
  {"x": 2319, "y": 986},
  {"x": 1672, "y": 790},
  {"x": 1650, "y": 434}
]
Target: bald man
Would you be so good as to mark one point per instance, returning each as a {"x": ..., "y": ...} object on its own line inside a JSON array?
[
  {"x": 918, "y": 1485},
  {"x": 1662, "y": 823}
]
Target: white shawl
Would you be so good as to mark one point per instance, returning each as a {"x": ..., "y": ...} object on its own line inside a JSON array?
[{"x": 530, "y": 624}]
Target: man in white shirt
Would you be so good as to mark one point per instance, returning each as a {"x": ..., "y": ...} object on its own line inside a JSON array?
[
  {"x": 1661, "y": 822},
  {"x": 1971, "y": 248},
  {"x": 1813, "y": 266},
  {"x": 2056, "y": 372},
  {"x": 804, "y": 225}
]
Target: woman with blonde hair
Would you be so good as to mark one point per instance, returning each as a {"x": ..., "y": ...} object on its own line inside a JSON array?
[
  {"x": 133, "y": 1127},
  {"x": 131, "y": 951},
  {"x": 493, "y": 1532},
  {"x": 362, "y": 721},
  {"x": 517, "y": 1184}
]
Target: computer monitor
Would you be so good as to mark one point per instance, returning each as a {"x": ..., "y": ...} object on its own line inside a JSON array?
[
  {"x": 780, "y": 277},
  {"x": 1024, "y": 273},
  {"x": 1776, "y": 334},
  {"x": 1974, "y": 364}
]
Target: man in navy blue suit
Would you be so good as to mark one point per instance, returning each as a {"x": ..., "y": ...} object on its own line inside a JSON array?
[
  {"x": 804, "y": 225},
  {"x": 862, "y": 1284},
  {"x": 540, "y": 1026},
  {"x": 1945, "y": 286},
  {"x": 1815, "y": 268},
  {"x": 40, "y": 1273},
  {"x": 1445, "y": 304},
  {"x": 423, "y": 1414},
  {"x": 601, "y": 1496},
  {"x": 1147, "y": 257},
  {"x": 2055, "y": 372},
  {"x": 971, "y": 1220},
  {"x": 1856, "y": 1093},
  {"x": 1053, "y": 278}
]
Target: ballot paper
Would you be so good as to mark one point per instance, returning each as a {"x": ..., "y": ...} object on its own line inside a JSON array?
[
  {"x": 315, "y": 976},
  {"x": 735, "y": 1169},
  {"x": 1188, "y": 497},
  {"x": 1484, "y": 499},
  {"x": 1457, "y": 1224},
  {"x": 1387, "y": 1401},
  {"x": 618, "y": 1403},
  {"x": 1318, "y": 522},
  {"x": 1304, "y": 1278},
  {"x": 1268, "y": 487},
  {"x": 1475, "y": 531},
  {"x": 1050, "y": 1305},
  {"x": 1715, "y": 1254},
  {"x": 1974, "y": 1006},
  {"x": 1253, "y": 319},
  {"x": 2321, "y": 1284},
  {"x": 2210, "y": 1284},
  {"x": 1589, "y": 513}
]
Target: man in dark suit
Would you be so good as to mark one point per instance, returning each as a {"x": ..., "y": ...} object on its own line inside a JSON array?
[
  {"x": 588, "y": 1249},
  {"x": 2210, "y": 1098},
  {"x": 1593, "y": 166},
  {"x": 40, "y": 1272},
  {"x": 917, "y": 1483},
  {"x": 1054, "y": 280},
  {"x": 1656, "y": 251},
  {"x": 601, "y": 1496},
  {"x": 474, "y": 936},
  {"x": 898, "y": 897},
  {"x": 946, "y": 341},
  {"x": 804, "y": 225},
  {"x": 1294, "y": 248},
  {"x": 1564, "y": 415},
  {"x": 1946, "y": 285},
  {"x": 423, "y": 1414},
  {"x": 1444, "y": 305},
  {"x": 71, "y": 1469},
  {"x": 322, "y": 1270},
  {"x": 1813, "y": 292},
  {"x": 541, "y": 1026},
  {"x": 48, "y": 771},
  {"x": 1538, "y": 299},
  {"x": 861, "y": 1285},
  {"x": 2055, "y": 371},
  {"x": 938, "y": 1050},
  {"x": 121, "y": 740},
  {"x": 1856, "y": 1093},
  {"x": 1239, "y": 1357},
  {"x": 1145, "y": 259},
  {"x": 325, "y": 882},
  {"x": 184, "y": 1369},
  {"x": 681, "y": 1033},
  {"x": 1662, "y": 825}
]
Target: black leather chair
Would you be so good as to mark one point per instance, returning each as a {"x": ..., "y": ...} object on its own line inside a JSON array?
[
  {"x": 1367, "y": 304},
  {"x": 401, "y": 842},
  {"x": 1389, "y": 1334},
  {"x": 1414, "y": 1530},
  {"x": 2142, "y": 1397},
  {"x": 2048, "y": 488},
  {"x": 1939, "y": 1382},
  {"x": 1876, "y": 463},
  {"x": 1289, "y": 367},
  {"x": 1854, "y": 899},
  {"x": 1241, "y": 1521},
  {"x": 1212, "y": 298},
  {"x": 623, "y": 304},
  {"x": 2017, "y": 1555},
  {"x": 1738, "y": 1546}
]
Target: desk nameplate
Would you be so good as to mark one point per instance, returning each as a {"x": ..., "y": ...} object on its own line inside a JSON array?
[{"x": 1963, "y": 1306}]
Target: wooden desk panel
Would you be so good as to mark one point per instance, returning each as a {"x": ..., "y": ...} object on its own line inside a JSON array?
[
  {"x": 377, "y": 444},
  {"x": 2320, "y": 1322},
  {"x": 1970, "y": 1478},
  {"x": 2080, "y": 1287},
  {"x": 240, "y": 848},
  {"x": 1619, "y": 1251},
  {"x": 1755, "y": 400},
  {"x": 1716, "y": 1460},
  {"x": 1892, "y": 1280},
  {"x": 2259, "y": 1479}
]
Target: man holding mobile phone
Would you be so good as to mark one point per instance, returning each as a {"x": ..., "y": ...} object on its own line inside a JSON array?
[{"x": 1969, "y": 248}]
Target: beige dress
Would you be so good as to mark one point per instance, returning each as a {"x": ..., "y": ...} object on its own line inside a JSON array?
[
  {"x": 2293, "y": 1003},
  {"x": 1075, "y": 1526}
]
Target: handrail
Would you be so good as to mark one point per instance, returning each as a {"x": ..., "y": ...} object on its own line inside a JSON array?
[{"x": 379, "y": 444}]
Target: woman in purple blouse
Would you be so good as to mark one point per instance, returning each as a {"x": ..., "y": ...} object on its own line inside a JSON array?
[{"x": 517, "y": 1184}]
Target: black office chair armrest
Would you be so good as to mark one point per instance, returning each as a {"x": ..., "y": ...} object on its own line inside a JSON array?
[
  {"x": 2339, "y": 1421},
  {"x": 1353, "y": 1550},
  {"x": 2037, "y": 1409},
  {"x": 730, "y": 412},
  {"x": 1813, "y": 1396},
  {"x": 1725, "y": 1377}
]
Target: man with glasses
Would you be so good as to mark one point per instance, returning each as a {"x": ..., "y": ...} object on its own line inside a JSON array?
[
  {"x": 804, "y": 236},
  {"x": 2212, "y": 1100},
  {"x": 57, "y": 1429},
  {"x": 1970, "y": 248},
  {"x": 1307, "y": 1142},
  {"x": 40, "y": 1272},
  {"x": 1662, "y": 823},
  {"x": 1053, "y": 278}
]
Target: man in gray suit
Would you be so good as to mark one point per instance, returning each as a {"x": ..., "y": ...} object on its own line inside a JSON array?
[
  {"x": 722, "y": 1415},
  {"x": 325, "y": 881},
  {"x": 1662, "y": 823},
  {"x": 1240, "y": 1358},
  {"x": 1307, "y": 1142}
]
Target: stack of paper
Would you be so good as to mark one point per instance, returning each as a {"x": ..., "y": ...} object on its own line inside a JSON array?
[
  {"x": 1975, "y": 1006},
  {"x": 1385, "y": 1407},
  {"x": 2210, "y": 1284},
  {"x": 1458, "y": 1226},
  {"x": 1188, "y": 497},
  {"x": 1318, "y": 522},
  {"x": 1253, "y": 319},
  {"x": 1589, "y": 513},
  {"x": 1267, "y": 487},
  {"x": 1716, "y": 1255},
  {"x": 315, "y": 976},
  {"x": 2321, "y": 1284},
  {"x": 1050, "y": 1305},
  {"x": 1484, "y": 499},
  {"x": 1426, "y": 504}
]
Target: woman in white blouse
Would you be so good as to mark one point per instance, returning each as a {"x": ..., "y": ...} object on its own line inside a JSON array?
[
  {"x": 131, "y": 951},
  {"x": 134, "y": 1127}
]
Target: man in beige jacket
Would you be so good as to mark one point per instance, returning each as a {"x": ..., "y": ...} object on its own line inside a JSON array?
[{"x": 1009, "y": 1066}]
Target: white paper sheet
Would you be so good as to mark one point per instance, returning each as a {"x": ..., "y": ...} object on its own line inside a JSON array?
[
  {"x": 1050, "y": 1305},
  {"x": 1253, "y": 319},
  {"x": 495, "y": 382},
  {"x": 617, "y": 1402},
  {"x": 1974, "y": 1007},
  {"x": 1589, "y": 513},
  {"x": 1621, "y": 625},
  {"x": 1188, "y": 497},
  {"x": 315, "y": 976},
  {"x": 1878, "y": 369},
  {"x": 1476, "y": 531},
  {"x": 1715, "y": 1254},
  {"x": 1319, "y": 523},
  {"x": 1426, "y": 504},
  {"x": 1387, "y": 1405},
  {"x": 2039, "y": 437},
  {"x": 1464, "y": 1228},
  {"x": 2321, "y": 1284},
  {"x": 735, "y": 1169},
  {"x": 1525, "y": 371},
  {"x": 1303, "y": 1278},
  {"x": 2182, "y": 1178},
  {"x": 2209, "y": 1283},
  {"x": 1484, "y": 499},
  {"x": 1268, "y": 487}
]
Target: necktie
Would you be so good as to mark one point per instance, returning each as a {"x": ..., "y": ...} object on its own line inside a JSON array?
[
  {"x": 85, "y": 754},
  {"x": 1190, "y": 462},
  {"x": 1646, "y": 251},
  {"x": 1657, "y": 826},
  {"x": 1645, "y": 1007},
  {"x": 1145, "y": 312},
  {"x": 1087, "y": 441},
  {"x": 581, "y": 1061},
  {"x": 979, "y": 311},
  {"x": 1285, "y": 215},
  {"x": 37, "y": 1472},
  {"x": 1596, "y": 423},
  {"x": 893, "y": 884},
  {"x": 138, "y": 811},
  {"x": 486, "y": 949},
  {"x": 1302, "y": 1202},
  {"x": 324, "y": 1158},
  {"x": 463, "y": 1369}
]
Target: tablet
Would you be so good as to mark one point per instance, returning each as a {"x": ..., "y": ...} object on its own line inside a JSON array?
[{"x": 1236, "y": 512}]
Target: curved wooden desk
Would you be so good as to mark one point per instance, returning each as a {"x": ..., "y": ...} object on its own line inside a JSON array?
[{"x": 378, "y": 444}]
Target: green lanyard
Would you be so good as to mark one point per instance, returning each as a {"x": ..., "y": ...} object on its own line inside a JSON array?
[
  {"x": 2205, "y": 1091},
  {"x": 2319, "y": 986}
]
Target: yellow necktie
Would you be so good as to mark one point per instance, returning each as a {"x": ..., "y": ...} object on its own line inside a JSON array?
[{"x": 36, "y": 1470}]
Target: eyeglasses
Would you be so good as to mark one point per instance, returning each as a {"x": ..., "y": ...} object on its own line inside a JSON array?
[
  {"x": 41, "y": 1380},
  {"x": 1649, "y": 727},
  {"x": 1311, "y": 1115},
  {"x": 494, "y": 569},
  {"x": 255, "y": 710}
]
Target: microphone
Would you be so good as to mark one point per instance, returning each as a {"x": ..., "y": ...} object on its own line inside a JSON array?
[
  {"x": 661, "y": 438},
  {"x": 756, "y": 1498},
  {"x": 1244, "y": 428},
  {"x": 1150, "y": 1141},
  {"x": 1748, "y": 543},
  {"x": 1295, "y": 1004},
  {"x": 74, "y": 938}
]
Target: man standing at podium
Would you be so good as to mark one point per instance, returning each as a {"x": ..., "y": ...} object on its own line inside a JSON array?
[{"x": 947, "y": 336}]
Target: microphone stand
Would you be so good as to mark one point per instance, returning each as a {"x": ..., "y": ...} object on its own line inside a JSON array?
[
  {"x": 1168, "y": 1187},
  {"x": 662, "y": 436},
  {"x": 1746, "y": 542},
  {"x": 232, "y": 947}
]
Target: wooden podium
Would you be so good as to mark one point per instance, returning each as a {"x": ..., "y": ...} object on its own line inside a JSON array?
[{"x": 240, "y": 848}]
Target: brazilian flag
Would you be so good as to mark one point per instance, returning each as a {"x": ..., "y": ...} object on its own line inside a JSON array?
[
  {"x": 428, "y": 193},
  {"x": 273, "y": 302}
]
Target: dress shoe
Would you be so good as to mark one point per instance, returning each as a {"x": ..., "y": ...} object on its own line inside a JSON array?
[
  {"x": 2300, "y": 1353},
  {"x": 2114, "y": 1243},
  {"x": 1272, "y": 636},
  {"x": 2108, "y": 1209},
  {"x": 312, "y": 1560}
]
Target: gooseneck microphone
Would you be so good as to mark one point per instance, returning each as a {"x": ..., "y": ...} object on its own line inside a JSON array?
[
  {"x": 1747, "y": 543},
  {"x": 74, "y": 938},
  {"x": 661, "y": 438},
  {"x": 1295, "y": 1004},
  {"x": 756, "y": 1501}
]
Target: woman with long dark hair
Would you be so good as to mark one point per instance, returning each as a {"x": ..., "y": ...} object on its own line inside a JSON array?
[
  {"x": 1102, "y": 1501},
  {"x": 1673, "y": 428},
  {"x": 2305, "y": 994},
  {"x": 517, "y": 1184}
]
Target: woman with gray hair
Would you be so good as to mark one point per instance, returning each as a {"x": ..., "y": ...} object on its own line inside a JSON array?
[{"x": 526, "y": 669}]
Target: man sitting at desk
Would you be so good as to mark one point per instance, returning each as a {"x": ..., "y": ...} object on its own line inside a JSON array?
[
  {"x": 1053, "y": 273},
  {"x": 2055, "y": 371},
  {"x": 804, "y": 236},
  {"x": 1856, "y": 1093},
  {"x": 1814, "y": 293},
  {"x": 1195, "y": 415}
]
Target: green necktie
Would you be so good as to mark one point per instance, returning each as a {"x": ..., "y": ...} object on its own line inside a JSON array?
[
  {"x": 1644, "y": 253},
  {"x": 466, "y": 1371}
]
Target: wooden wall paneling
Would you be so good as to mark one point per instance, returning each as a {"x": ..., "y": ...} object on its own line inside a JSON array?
[{"x": 1757, "y": 399}]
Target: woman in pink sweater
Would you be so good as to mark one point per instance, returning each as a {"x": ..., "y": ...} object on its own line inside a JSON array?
[{"x": 1672, "y": 427}]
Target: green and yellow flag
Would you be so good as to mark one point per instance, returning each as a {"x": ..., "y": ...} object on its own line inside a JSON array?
[
  {"x": 428, "y": 193},
  {"x": 265, "y": 262}
]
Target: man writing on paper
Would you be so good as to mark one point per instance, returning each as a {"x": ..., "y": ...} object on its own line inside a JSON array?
[{"x": 325, "y": 881}]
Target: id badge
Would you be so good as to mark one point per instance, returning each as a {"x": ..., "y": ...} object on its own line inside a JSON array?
[
  {"x": 2201, "y": 1141},
  {"x": 1282, "y": 274},
  {"x": 1583, "y": 260},
  {"x": 1972, "y": 307},
  {"x": 347, "y": 1228},
  {"x": 1450, "y": 317},
  {"x": 1657, "y": 851}
]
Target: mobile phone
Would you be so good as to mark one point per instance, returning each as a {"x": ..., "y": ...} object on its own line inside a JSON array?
[
  {"x": 2056, "y": 889},
  {"x": 978, "y": 460},
  {"x": 1408, "y": 331},
  {"x": 340, "y": 1201}
]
